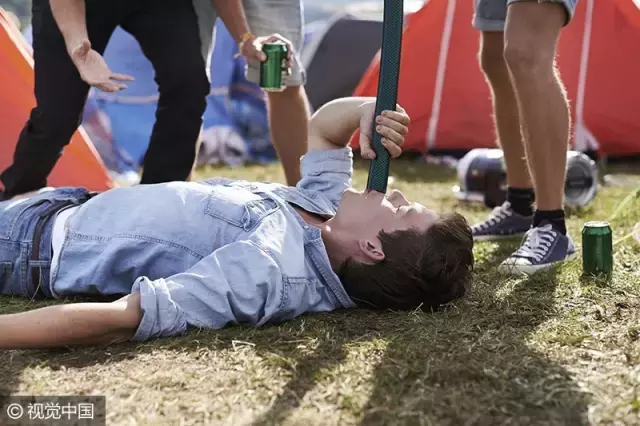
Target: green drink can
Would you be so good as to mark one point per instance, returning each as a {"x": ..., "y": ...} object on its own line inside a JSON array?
[
  {"x": 271, "y": 70},
  {"x": 597, "y": 248}
]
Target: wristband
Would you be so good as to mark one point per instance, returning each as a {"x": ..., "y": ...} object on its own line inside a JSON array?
[
  {"x": 243, "y": 39},
  {"x": 246, "y": 36}
]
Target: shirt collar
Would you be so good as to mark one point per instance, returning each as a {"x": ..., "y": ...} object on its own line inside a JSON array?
[{"x": 317, "y": 251}]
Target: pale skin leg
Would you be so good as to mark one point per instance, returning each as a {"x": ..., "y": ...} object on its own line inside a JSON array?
[
  {"x": 531, "y": 34},
  {"x": 505, "y": 107},
  {"x": 289, "y": 124}
]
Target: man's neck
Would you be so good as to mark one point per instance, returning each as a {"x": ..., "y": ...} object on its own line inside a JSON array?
[
  {"x": 311, "y": 218},
  {"x": 324, "y": 224}
]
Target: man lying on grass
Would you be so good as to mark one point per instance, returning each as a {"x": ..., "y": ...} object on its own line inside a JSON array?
[{"x": 222, "y": 252}]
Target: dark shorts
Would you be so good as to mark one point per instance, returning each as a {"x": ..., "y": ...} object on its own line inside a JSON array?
[{"x": 24, "y": 261}]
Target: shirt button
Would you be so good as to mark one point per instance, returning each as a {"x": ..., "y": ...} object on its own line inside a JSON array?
[{"x": 306, "y": 227}]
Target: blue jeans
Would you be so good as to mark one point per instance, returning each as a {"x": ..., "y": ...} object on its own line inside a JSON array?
[{"x": 25, "y": 266}]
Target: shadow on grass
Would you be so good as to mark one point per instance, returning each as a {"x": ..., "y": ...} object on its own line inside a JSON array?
[
  {"x": 479, "y": 368},
  {"x": 470, "y": 364}
]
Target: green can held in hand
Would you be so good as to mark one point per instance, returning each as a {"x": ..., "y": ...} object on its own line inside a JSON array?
[
  {"x": 271, "y": 70},
  {"x": 597, "y": 249}
]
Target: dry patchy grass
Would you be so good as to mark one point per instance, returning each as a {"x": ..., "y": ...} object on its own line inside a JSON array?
[{"x": 553, "y": 349}]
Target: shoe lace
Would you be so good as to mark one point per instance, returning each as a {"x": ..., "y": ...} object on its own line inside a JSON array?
[
  {"x": 537, "y": 243},
  {"x": 497, "y": 215}
]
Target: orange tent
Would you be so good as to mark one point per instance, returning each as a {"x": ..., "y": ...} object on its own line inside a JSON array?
[
  {"x": 444, "y": 91},
  {"x": 80, "y": 165}
]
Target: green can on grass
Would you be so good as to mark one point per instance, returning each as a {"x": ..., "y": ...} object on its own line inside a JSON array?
[
  {"x": 597, "y": 248},
  {"x": 271, "y": 70}
]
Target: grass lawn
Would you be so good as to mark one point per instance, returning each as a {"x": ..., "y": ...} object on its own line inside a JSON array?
[{"x": 553, "y": 349}]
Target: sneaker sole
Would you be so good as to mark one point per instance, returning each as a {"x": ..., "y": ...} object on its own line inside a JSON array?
[
  {"x": 532, "y": 269},
  {"x": 497, "y": 237}
]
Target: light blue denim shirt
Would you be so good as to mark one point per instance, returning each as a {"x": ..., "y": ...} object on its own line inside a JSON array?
[{"x": 210, "y": 253}]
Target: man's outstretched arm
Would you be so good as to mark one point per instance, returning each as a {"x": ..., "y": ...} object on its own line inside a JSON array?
[{"x": 72, "y": 324}]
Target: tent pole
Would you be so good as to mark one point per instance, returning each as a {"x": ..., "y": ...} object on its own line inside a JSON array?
[
  {"x": 584, "y": 140},
  {"x": 387, "y": 99},
  {"x": 440, "y": 75}
]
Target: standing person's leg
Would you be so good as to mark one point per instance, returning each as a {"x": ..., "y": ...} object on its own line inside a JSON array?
[
  {"x": 169, "y": 36},
  {"x": 60, "y": 95},
  {"x": 207, "y": 17},
  {"x": 514, "y": 217},
  {"x": 531, "y": 35},
  {"x": 289, "y": 109}
]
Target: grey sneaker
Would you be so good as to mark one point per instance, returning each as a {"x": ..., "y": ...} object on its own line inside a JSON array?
[
  {"x": 541, "y": 248},
  {"x": 503, "y": 222}
]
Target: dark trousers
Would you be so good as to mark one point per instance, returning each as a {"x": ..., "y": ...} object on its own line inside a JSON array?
[{"x": 167, "y": 31}]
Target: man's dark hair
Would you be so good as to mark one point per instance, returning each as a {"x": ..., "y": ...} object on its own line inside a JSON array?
[{"x": 421, "y": 268}]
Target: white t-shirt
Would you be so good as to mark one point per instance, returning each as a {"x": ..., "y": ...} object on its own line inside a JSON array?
[{"x": 57, "y": 236}]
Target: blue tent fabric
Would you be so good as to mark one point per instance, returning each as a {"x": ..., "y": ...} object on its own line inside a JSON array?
[{"x": 235, "y": 108}]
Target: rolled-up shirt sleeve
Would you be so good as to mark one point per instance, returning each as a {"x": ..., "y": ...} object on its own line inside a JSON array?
[
  {"x": 237, "y": 284},
  {"x": 328, "y": 172}
]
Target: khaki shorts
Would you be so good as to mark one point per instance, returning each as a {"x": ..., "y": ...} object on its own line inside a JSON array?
[
  {"x": 265, "y": 17},
  {"x": 491, "y": 15}
]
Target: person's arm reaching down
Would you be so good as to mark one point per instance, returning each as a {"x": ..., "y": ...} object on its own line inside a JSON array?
[
  {"x": 72, "y": 324},
  {"x": 70, "y": 15},
  {"x": 231, "y": 12}
]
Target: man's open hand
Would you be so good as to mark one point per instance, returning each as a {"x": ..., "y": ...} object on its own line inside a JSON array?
[
  {"x": 94, "y": 70},
  {"x": 393, "y": 126}
]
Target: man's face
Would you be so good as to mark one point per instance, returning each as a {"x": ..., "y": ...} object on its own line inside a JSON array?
[{"x": 367, "y": 213}]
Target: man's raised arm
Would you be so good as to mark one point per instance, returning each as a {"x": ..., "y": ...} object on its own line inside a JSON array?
[
  {"x": 334, "y": 123},
  {"x": 328, "y": 166}
]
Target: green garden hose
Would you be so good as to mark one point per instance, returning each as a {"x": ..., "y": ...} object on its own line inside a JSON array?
[{"x": 387, "y": 88}]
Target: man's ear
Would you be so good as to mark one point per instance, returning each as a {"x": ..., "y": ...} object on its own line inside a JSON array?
[{"x": 372, "y": 249}]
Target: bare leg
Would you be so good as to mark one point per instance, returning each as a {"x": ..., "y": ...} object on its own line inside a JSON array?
[
  {"x": 288, "y": 121},
  {"x": 531, "y": 35},
  {"x": 505, "y": 107}
]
